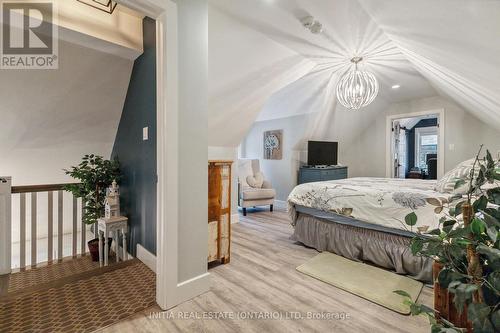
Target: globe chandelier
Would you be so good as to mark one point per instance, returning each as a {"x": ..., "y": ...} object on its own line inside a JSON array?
[{"x": 357, "y": 89}]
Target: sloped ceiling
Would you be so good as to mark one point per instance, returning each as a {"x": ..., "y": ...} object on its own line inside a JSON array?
[
  {"x": 455, "y": 44},
  {"x": 427, "y": 47},
  {"x": 245, "y": 69},
  {"x": 51, "y": 118}
]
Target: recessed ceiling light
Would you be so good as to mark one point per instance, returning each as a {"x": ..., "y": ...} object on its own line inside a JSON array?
[{"x": 396, "y": 86}]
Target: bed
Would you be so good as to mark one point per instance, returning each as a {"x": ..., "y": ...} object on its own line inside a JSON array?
[{"x": 363, "y": 219}]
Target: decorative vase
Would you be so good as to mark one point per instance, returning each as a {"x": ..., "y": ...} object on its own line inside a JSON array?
[
  {"x": 443, "y": 299},
  {"x": 94, "y": 248},
  {"x": 443, "y": 303}
]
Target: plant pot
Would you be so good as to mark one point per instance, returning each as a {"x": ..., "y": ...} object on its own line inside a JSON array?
[
  {"x": 94, "y": 248},
  {"x": 443, "y": 304}
]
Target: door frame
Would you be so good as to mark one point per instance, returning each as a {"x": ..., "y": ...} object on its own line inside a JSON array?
[
  {"x": 169, "y": 290},
  {"x": 441, "y": 140},
  {"x": 393, "y": 144}
]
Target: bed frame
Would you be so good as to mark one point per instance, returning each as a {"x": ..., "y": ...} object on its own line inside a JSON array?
[{"x": 361, "y": 241}]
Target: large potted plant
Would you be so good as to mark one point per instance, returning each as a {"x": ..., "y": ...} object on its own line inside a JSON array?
[
  {"x": 466, "y": 251},
  {"x": 94, "y": 175}
]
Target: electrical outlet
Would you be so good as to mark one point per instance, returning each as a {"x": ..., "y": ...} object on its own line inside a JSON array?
[{"x": 145, "y": 134}]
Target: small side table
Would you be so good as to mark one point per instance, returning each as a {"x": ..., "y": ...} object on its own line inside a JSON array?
[{"x": 111, "y": 227}]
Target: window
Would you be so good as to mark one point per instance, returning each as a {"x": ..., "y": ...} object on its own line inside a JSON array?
[
  {"x": 429, "y": 140},
  {"x": 426, "y": 142}
]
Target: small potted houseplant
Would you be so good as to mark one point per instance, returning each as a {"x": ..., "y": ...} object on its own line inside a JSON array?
[
  {"x": 466, "y": 251},
  {"x": 95, "y": 174}
]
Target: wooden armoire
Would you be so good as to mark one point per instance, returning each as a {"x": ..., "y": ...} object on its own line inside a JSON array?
[{"x": 219, "y": 211}]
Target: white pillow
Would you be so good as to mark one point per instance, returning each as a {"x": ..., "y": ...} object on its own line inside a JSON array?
[
  {"x": 256, "y": 180},
  {"x": 244, "y": 170},
  {"x": 460, "y": 172}
]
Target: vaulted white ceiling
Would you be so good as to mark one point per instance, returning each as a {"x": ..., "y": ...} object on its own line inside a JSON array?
[
  {"x": 447, "y": 47},
  {"x": 455, "y": 44}
]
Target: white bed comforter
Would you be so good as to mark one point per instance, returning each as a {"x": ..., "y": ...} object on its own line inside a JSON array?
[{"x": 381, "y": 201}]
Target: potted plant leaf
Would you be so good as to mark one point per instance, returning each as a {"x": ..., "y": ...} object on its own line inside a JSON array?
[
  {"x": 94, "y": 175},
  {"x": 466, "y": 251}
]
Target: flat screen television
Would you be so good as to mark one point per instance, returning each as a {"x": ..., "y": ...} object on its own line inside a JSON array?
[{"x": 322, "y": 153}]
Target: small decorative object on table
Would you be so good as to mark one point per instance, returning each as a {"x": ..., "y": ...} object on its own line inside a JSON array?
[
  {"x": 112, "y": 203},
  {"x": 112, "y": 224}
]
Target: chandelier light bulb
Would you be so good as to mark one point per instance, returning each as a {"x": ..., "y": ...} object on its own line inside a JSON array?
[{"x": 357, "y": 89}]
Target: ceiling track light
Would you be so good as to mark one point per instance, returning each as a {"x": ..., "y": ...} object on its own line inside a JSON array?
[
  {"x": 313, "y": 25},
  {"x": 107, "y": 6}
]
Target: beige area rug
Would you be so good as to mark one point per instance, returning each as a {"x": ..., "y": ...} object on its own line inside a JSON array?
[{"x": 372, "y": 283}]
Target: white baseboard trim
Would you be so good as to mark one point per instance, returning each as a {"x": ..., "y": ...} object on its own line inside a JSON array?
[
  {"x": 191, "y": 288},
  {"x": 235, "y": 218},
  {"x": 146, "y": 257},
  {"x": 185, "y": 290},
  {"x": 281, "y": 204}
]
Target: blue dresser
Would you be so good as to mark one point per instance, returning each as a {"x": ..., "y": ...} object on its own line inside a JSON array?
[{"x": 311, "y": 174}]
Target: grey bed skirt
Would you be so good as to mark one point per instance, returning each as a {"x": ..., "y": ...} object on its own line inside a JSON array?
[{"x": 383, "y": 249}]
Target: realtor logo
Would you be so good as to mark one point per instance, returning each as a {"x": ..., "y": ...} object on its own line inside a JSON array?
[{"x": 29, "y": 35}]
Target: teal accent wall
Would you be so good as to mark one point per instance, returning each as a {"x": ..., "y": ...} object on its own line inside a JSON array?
[{"x": 137, "y": 157}]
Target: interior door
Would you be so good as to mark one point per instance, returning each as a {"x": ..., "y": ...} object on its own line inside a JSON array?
[
  {"x": 398, "y": 150},
  {"x": 394, "y": 153}
]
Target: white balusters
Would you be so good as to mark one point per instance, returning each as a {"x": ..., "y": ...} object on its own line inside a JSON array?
[
  {"x": 66, "y": 231},
  {"x": 33, "y": 228},
  {"x": 50, "y": 226},
  {"x": 75, "y": 225},
  {"x": 22, "y": 231},
  {"x": 60, "y": 217}
]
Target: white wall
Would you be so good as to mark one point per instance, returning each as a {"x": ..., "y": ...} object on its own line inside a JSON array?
[
  {"x": 51, "y": 118},
  {"x": 282, "y": 173},
  {"x": 362, "y": 138},
  {"x": 246, "y": 68},
  {"x": 192, "y": 129}
]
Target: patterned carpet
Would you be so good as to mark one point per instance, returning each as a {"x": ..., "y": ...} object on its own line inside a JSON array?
[
  {"x": 79, "y": 303},
  {"x": 50, "y": 273}
]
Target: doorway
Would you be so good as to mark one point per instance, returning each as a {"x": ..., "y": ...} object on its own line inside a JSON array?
[{"x": 415, "y": 146}]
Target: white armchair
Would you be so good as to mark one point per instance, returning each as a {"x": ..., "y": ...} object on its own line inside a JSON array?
[{"x": 253, "y": 189}]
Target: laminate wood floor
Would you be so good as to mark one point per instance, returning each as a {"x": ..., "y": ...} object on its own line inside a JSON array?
[{"x": 261, "y": 281}]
